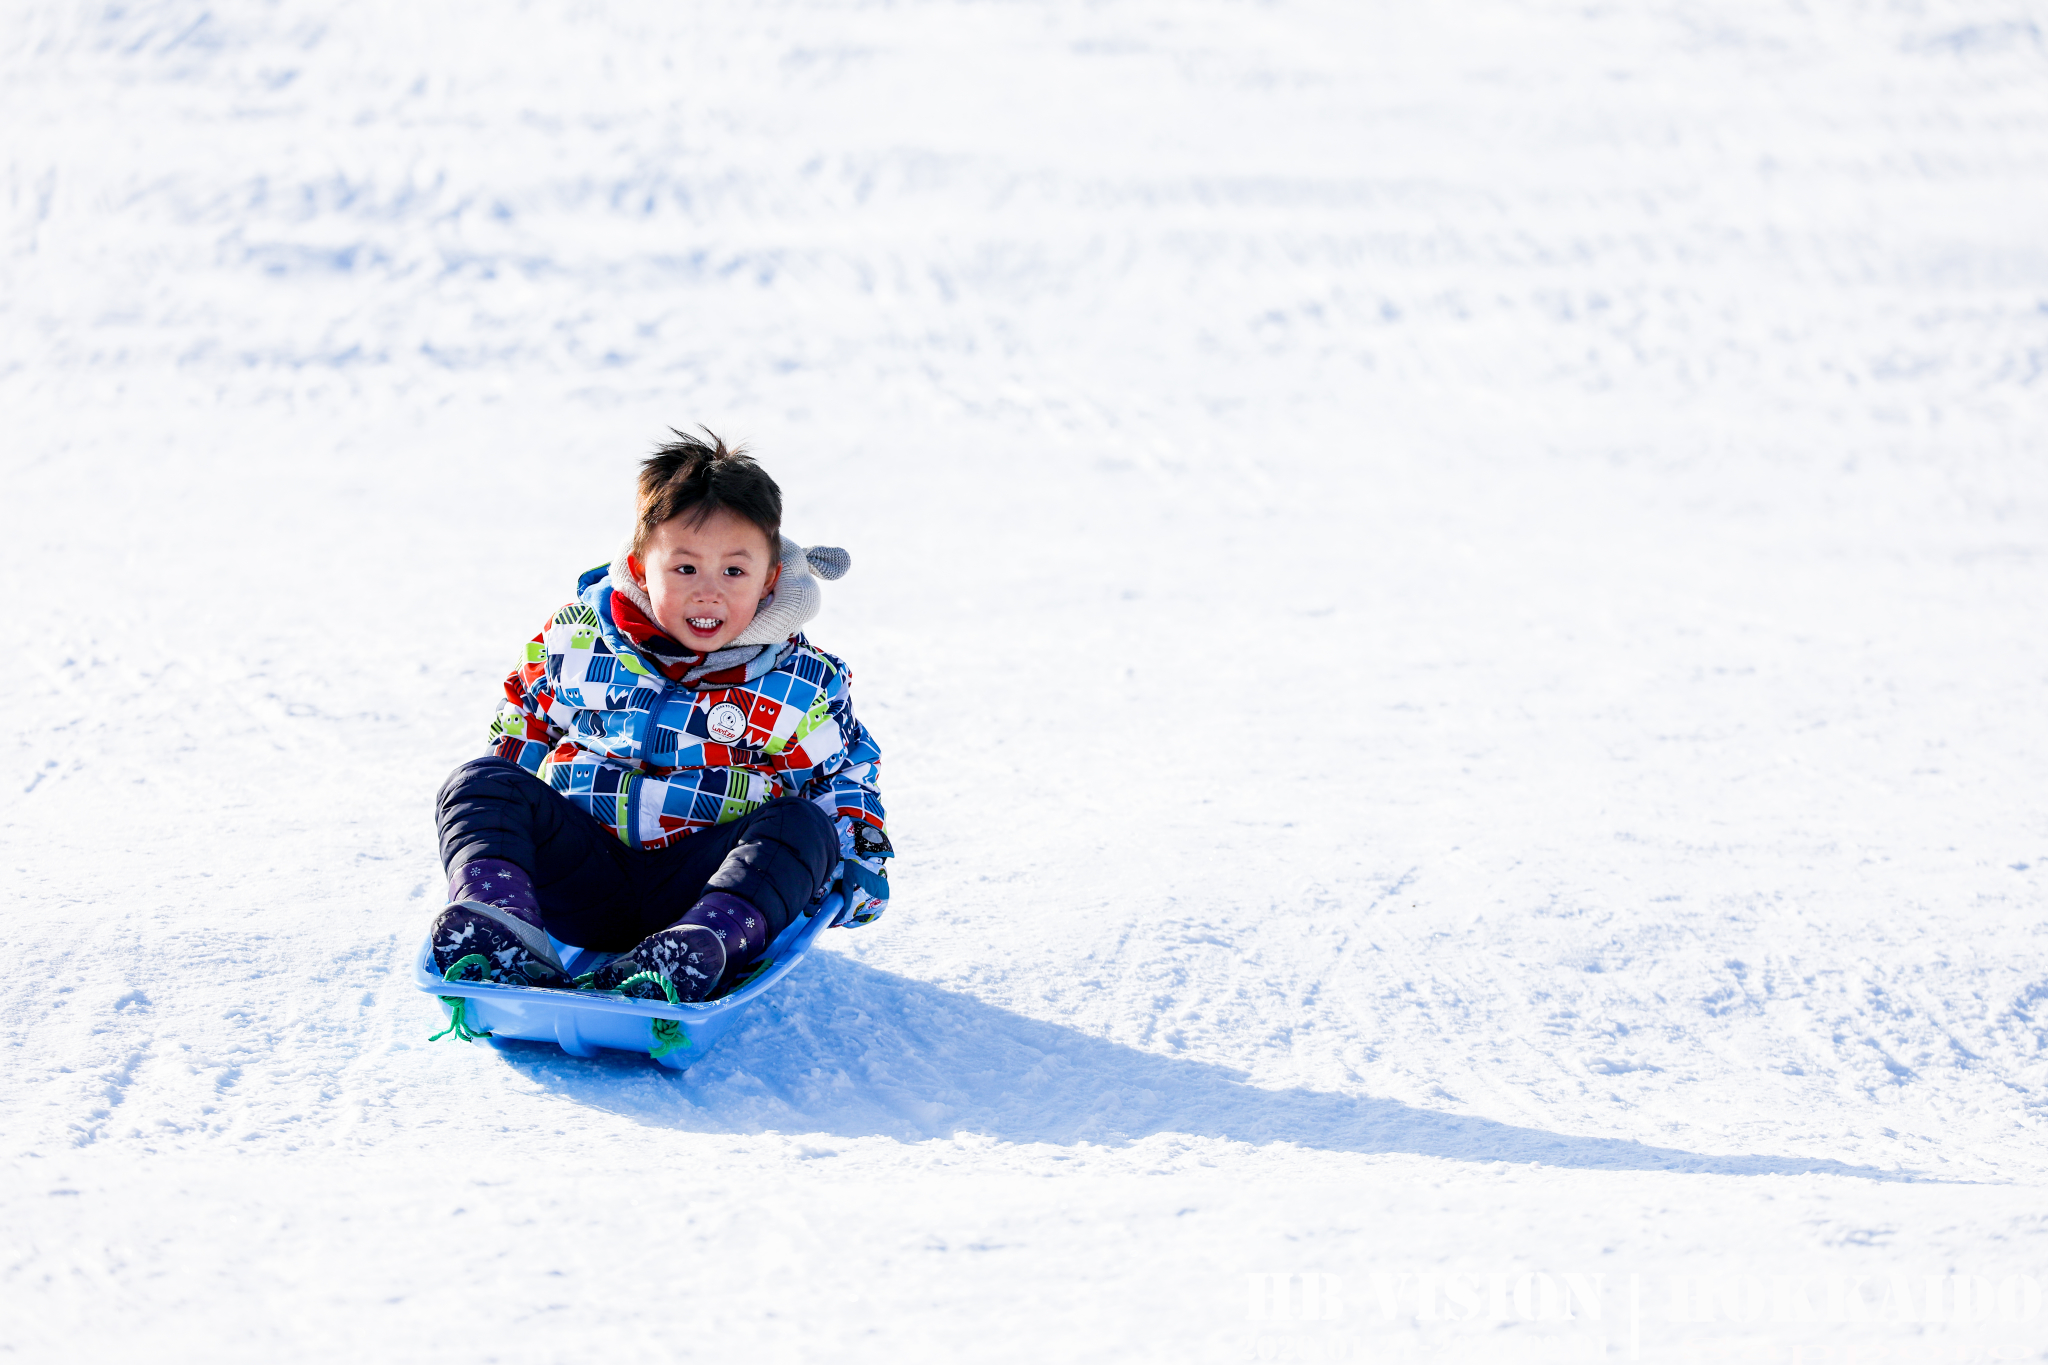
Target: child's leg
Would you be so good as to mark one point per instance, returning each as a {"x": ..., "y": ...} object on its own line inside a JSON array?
[
  {"x": 744, "y": 881},
  {"x": 510, "y": 840},
  {"x": 775, "y": 857}
]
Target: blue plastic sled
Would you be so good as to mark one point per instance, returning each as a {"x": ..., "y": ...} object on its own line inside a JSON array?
[{"x": 584, "y": 1021}]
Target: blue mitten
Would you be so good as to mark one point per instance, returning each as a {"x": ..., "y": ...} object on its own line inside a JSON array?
[{"x": 864, "y": 873}]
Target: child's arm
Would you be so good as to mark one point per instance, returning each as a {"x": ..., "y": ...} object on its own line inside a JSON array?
[
  {"x": 837, "y": 764},
  {"x": 521, "y": 730},
  {"x": 851, "y": 793}
]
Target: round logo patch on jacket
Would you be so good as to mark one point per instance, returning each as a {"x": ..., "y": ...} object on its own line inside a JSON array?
[{"x": 726, "y": 722}]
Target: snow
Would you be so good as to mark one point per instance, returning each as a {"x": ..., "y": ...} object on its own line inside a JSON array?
[{"x": 1452, "y": 595}]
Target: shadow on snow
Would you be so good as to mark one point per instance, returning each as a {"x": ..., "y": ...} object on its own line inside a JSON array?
[{"x": 846, "y": 1049}]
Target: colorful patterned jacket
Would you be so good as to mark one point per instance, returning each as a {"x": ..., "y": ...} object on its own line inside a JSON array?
[{"x": 606, "y": 722}]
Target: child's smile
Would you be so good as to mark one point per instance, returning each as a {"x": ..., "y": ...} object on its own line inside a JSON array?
[{"x": 706, "y": 581}]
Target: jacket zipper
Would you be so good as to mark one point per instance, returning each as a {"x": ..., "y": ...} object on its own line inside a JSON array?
[{"x": 640, "y": 778}]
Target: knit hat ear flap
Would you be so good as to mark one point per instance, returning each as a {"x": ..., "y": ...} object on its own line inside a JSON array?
[
  {"x": 828, "y": 562},
  {"x": 797, "y": 597}
]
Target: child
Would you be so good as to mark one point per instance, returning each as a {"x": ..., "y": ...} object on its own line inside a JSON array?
[{"x": 675, "y": 772}]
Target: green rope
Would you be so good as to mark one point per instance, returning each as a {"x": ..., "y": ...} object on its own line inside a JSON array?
[
  {"x": 458, "y": 1005},
  {"x": 668, "y": 1033},
  {"x": 668, "y": 1037},
  {"x": 667, "y": 987}
]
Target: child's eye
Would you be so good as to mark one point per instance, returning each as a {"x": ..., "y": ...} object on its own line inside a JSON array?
[
  {"x": 735, "y": 571},
  {"x": 686, "y": 568}
]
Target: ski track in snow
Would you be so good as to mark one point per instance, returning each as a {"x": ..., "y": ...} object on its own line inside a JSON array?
[{"x": 1452, "y": 597}]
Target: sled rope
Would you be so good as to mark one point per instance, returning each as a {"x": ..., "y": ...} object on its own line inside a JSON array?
[
  {"x": 668, "y": 1033},
  {"x": 458, "y": 1005}
]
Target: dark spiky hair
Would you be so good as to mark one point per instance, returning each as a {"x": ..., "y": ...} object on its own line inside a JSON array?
[{"x": 692, "y": 479}]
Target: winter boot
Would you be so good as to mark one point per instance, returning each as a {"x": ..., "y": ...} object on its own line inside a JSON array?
[
  {"x": 689, "y": 959},
  {"x": 492, "y": 930}
]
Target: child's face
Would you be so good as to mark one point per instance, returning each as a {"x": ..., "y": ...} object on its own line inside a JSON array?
[{"x": 706, "y": 581}]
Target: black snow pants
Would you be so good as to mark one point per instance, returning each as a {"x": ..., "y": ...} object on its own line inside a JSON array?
[{"x": 597, "y": 893}]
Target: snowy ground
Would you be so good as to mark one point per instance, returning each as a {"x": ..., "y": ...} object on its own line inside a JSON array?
[{"x": 1453, "y": 595}]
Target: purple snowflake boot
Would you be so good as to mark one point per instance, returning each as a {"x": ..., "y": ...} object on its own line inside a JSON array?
[
  {"x": 491, "y": 930},
  {"x": 687, "y": 960}
]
